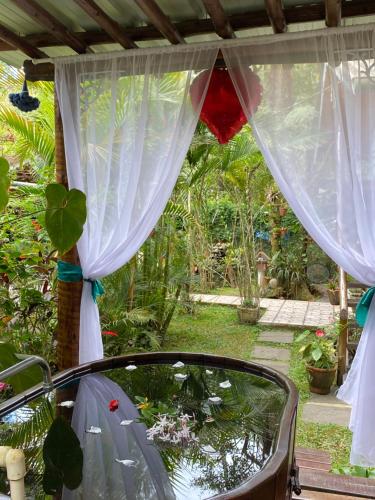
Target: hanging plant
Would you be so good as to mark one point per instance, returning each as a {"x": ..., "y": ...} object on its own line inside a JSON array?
[
  {"x": 23, "y": 100},
  {"x": 222, "y": 111}
]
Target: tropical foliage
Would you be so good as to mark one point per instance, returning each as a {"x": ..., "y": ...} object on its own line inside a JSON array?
[{"x": 223, "y": 202}]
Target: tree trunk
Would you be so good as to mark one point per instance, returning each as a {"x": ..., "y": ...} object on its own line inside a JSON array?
[{"x": 69, "y": 294}]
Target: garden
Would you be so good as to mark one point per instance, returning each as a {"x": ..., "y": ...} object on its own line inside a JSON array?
[{"x": 226, "y": 231}]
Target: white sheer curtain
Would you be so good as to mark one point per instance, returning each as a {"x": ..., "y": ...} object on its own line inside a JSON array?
[
  {"x": 128, "y": 122},
  {"x": 316, "y": 129},
  {"x": 103, "y": 475}
]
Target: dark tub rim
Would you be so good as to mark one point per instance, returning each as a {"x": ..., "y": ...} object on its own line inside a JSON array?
[{"x": 282, "y": 446}]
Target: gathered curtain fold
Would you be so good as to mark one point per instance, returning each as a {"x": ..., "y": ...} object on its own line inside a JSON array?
[
  {"x": 316, "y": 129},
  {"x": 128, "y": 123}
]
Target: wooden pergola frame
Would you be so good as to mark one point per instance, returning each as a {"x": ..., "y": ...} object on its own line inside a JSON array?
[{"x": 56, "y": 34}]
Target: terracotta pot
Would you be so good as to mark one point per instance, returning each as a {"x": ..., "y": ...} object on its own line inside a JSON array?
[
  {"x": 334, "y": 297},
  {"x": 282, "y": 211},
  {"x": 321, "y": 379},
  {"x": 248, "y": 314}
]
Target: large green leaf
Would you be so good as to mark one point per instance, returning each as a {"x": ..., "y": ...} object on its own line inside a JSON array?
[
  {"x": 63, "y": 458},
  {"x": 25, "y": 379},
  {"x": 4, "y": 183},
  {"x": 316, "y": 353},
  {"x": 65, "y": 216}
]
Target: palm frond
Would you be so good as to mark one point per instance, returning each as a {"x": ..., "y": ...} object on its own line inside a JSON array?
[
  {"x": 33, "y": 137},
  {"x": 29, "y": 434},
  {"x": 176, "y": 210}
]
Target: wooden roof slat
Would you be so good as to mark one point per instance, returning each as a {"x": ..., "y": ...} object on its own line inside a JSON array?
[
  {"x": 245, "y": 20},
  {"x": 19, "y": 43},
  {"x": 333, "y": 13},
  {"x": 51, "y": 24},
  {"x": 276, "y": 15},
  {"x": 109, "y": 25},
  {"x": 160, "y": 20},
  {"x": 219, "y": 18}
]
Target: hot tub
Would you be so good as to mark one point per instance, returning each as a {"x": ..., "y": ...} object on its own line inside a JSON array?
[{"x": 171, "y": 426}]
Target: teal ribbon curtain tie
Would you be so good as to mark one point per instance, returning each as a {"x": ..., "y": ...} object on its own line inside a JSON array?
[
  {"x": 71, "y": 273},
  {"x": 97, "y": 288},
  {"x": 363, "y": 306}
]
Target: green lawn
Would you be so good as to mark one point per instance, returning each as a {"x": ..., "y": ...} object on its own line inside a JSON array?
[
  {"x": 215, "y": 329},
  {"x": 211, "y": 329}
]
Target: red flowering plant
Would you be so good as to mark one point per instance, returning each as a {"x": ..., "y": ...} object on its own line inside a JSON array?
[{"x": 319, "y": 346}]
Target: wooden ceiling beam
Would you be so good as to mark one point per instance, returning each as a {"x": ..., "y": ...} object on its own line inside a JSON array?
[
  {"x": 110, "y": 26},
  {"x": 161, "y": 22},
  {"x": 19, "y": 43},
  {"x": 245, "y": 20},
  {"x": 333, "y": 13},
  {"x": 276, "y": 15},
  {"x": 51, "y": 24},
  {"x": 219, "y": 18}
]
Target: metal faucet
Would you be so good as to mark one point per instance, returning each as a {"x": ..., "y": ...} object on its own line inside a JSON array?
[{"x": 26, "y": 362}]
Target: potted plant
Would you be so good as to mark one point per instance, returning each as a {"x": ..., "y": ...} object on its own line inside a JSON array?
[
  {"x": 276, "y": 231},
  {"x": 246, "y": 281},
  {"x": 282, "y": 210},
  {"x": 319, "y": 353},
  {"x": 248, "y": 311},
  {"x": 246, "y": 268},
  {"x": 333, "y": 292}
]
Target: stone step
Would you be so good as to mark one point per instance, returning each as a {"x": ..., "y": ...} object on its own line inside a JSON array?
[
  {"x": 326, "y": 409},
  {"x": 271, "y": 353},
  {"x": 278, "y": 336},
  {"x": 274, "y": 364}
]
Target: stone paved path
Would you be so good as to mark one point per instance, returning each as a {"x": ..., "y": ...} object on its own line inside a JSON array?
[
  {"x": 279, "y": 312},
  {"x": 275, "y": 357},
  {"x": 290, "y": 313},
  {"x": 326, "y": 410},
  {"x": 319, "y": 409}
]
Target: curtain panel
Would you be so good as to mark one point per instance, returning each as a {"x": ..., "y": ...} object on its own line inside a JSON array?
[
  {"x": 128, "y": 123},
  {"x": 316, "y": 129}
]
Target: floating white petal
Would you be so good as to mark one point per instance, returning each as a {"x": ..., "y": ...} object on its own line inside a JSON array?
[
  {"x": 215, "y": 400},
  {"x": 66, "y": 404},
  {"x": 209, "y": 372},
  {"x": 181, "y": 376},
  {"x": 127, "y": 463},
  {"x": 130, "y": 368},
  {"x": 225, "y": 385},
  {"x": 208, "y": 449},
  {"x": 126, "y": 422},
  {"x": 94, "y": 430},
  {"x": 179, "y": 364}
]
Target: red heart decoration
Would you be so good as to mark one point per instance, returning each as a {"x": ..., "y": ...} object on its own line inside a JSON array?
[{"x": 222, "y": 111}]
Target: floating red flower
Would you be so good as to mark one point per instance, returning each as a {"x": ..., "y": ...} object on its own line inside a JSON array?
[
  {"x": 222, "y": 111},
  {"x": 36, "y": 225},
  {"x": 110, "y": 334},
  {"x": 113, "y": 405},
  {"x": 320, "y": 333}
]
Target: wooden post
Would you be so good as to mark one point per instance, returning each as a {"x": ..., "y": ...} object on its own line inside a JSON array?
[
  {"x": 343, "y": 339},
  {"x": 69, "y": 294}
]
